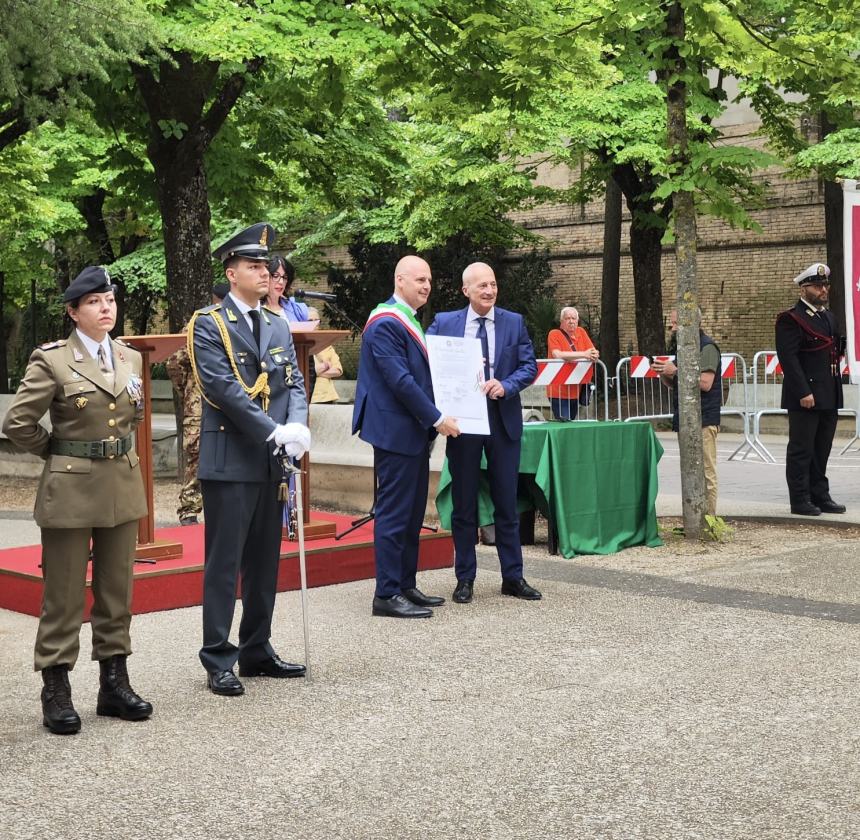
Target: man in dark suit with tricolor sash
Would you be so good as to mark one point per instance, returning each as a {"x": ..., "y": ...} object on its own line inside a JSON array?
[{"x": 395, "y": 413}]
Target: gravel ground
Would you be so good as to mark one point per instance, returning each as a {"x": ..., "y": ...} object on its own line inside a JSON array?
[{"x": 695, "y": 690}]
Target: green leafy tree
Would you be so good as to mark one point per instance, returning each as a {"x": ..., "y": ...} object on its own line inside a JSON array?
[{"x": 49, "y": 50}]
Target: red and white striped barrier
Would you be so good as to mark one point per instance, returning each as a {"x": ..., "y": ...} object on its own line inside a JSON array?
[
  {"x": 640, "y": 366},
  {"x": 772, "y": 367},
  {"x": 564, "y": 373},
  {"x": 728, "y": 367}
]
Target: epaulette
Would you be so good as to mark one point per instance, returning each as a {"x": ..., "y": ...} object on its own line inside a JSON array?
[
  {"x": 123, "y": 343},
  {"x": 205, "y": 310},
  {"x": 52, "y": 345}
]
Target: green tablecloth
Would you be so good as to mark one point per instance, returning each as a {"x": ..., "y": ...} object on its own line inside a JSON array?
[{"x": 596, "y": 481}]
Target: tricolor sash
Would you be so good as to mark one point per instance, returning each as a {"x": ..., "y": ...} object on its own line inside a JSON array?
[{"x": 404, "y": 315}]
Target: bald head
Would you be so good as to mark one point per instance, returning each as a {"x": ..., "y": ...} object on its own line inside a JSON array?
[
  {"x": 479, "y": 285},
  {"x": 412, "y": 281}
]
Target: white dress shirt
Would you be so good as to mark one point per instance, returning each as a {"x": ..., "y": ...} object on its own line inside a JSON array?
[
  {"x": 245, "y": 309},
  {"x": 92, "y": 347}
]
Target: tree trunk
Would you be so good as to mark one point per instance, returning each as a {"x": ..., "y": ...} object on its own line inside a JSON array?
[
  {"x": 834, "y": 238},
  {"x": 609, "y": 342},
  {"x": 184, "y": 203},
  {"x": 92, "y": 209},
  {"x": 684, "y": 211},
  {"x": 182, "y": 127},
  {"x": 646, "y": 250},
  {"x": 4, "y": 359}
]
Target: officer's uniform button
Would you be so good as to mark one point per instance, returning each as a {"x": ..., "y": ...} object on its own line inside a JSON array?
[
  {"x": 68, "y": 466},
  {"x": 80, "y": 387},
  {"x": 112, "y": 407},
  {"x": 220, "y": 428},
  {"x": 111, "y": 438},
  {"x": 111, "y": 457},
  {"x": 263, "y": 365},
  {"x": 111, "y": 422}
]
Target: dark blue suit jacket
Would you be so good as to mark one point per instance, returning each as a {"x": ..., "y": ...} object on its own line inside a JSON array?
[
  {"x": 233, "y": 436},
  {"x": 394, "y": 407},
  {"x": 514, "y": 363}
]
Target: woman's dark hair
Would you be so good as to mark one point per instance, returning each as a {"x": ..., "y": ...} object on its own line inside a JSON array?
[{"x": 289, "y": 272}]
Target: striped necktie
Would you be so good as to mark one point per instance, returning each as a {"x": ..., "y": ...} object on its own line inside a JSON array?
[{"x": 105, "y": 368}]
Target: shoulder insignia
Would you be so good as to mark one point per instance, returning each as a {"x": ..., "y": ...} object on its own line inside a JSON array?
[
  {"x": 52, "y": 345},
  {"x": 207, "y": 310},
  {"x": 231, "y": 316}
]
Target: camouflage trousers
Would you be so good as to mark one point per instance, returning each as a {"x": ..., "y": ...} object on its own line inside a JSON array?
[{"x": 190, "y": 498}]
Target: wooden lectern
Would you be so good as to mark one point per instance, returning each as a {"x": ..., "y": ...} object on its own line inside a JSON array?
[
  {"x": 157, "y": 348},
  {"x": 153, "y": 348},
  {"x": 307, "y": 343}
]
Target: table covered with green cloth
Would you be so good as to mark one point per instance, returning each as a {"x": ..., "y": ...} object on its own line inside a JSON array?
[{"x": 595, "y": 481}]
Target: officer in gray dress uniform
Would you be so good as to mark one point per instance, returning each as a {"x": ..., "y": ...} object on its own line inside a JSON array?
[
  {"x": 254, "y": 401},
  {"x": 91, "y": 494}
]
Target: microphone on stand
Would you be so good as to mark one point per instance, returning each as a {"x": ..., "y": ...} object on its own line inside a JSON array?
[{"x": 303, "y": 293}]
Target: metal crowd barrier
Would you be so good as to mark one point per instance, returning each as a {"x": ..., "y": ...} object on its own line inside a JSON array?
[
  {"x": 640, "y": 395},
  {"x": 767, "y": 396},
  {"x": 574, "y": 377},
  {"x": 749, "y": 393}
]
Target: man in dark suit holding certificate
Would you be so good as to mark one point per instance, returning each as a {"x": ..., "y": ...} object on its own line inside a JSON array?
[
  {"x": 509, "y": 366},
  {"x": 394, "y": 412}
]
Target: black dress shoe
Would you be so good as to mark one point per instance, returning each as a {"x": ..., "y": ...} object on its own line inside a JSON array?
[
  {"x": 805, "y": 508},
  {"x": 398, "y": 606},
  {"x": 463, "y": 592},
  {"x": 188, "y": 520},
  {"x": 829, "y": 506},
  {"x": 272, "y": 667},
  {"x": 417, "y": 597},
  {"x": 224, "y": 682},
  {"x": 520, "y": 589}
]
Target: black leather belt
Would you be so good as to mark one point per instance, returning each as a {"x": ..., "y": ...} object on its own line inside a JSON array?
[{"x": 92, "y": 448}]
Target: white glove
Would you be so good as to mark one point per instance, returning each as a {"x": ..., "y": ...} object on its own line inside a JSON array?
[
  {"x": 294, "y": 437},
  {"x": 294, "y": 450}
]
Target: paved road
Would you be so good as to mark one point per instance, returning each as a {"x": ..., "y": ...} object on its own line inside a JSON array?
[
  {"x": 752, "y": 487},
  {"x": 659, "y": 693}
]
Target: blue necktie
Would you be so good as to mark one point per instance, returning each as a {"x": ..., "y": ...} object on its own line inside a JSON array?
[{"x": 485, "y": 346}]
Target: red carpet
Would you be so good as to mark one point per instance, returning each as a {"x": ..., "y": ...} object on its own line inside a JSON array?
[{"x": 170, "y": 584}]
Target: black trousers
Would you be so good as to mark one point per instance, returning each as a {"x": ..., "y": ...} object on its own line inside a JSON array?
[
  {"x": 243, "y": 539},
  {"x": 810, "y": 438}
]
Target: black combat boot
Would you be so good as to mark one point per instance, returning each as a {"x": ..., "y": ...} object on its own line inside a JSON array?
[
  {"x": 58, "y": 713},
  {"x": 116, "y": 696}
]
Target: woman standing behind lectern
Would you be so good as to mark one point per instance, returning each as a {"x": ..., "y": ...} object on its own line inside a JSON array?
[{"x": 91, "y": 492}]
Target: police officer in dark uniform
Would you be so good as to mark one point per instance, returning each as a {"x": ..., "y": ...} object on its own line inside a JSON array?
[
  {"x": 91, "y": 494},
  {"x": 244, "y": 361},
  {"x": 809, "y": 350}
]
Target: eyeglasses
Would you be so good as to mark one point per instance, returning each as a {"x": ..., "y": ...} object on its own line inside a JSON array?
[{"x": 278, "y": 276}]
